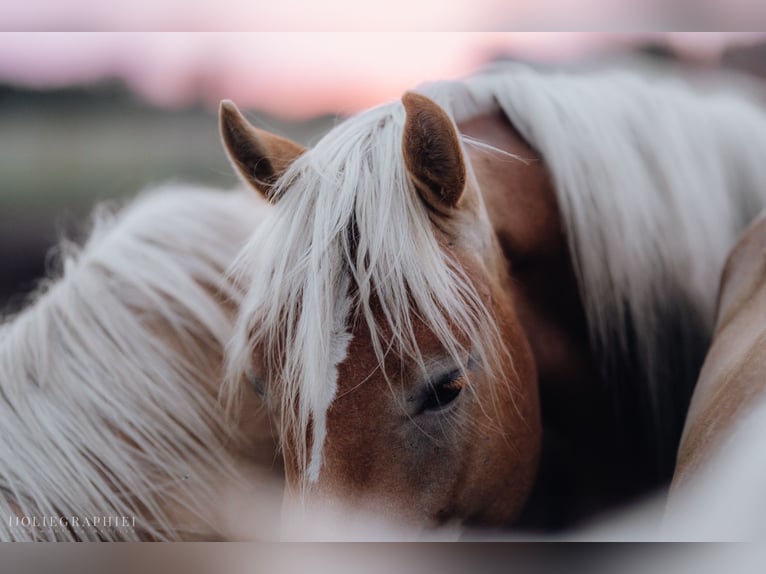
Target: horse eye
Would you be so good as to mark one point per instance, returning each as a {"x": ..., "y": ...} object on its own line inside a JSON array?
[
  {"x": 256, "y": 384},
  {"x": 442, "y": 392}
]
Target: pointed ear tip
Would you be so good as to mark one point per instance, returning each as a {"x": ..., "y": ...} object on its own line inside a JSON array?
[
  {"x": 415, "y": 102},
  {"x": 228, "y": 108},
  {"x": 411, "y": 99}
]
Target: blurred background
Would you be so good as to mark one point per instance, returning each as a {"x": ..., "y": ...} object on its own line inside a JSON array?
[{"x": 92, "y": 117}]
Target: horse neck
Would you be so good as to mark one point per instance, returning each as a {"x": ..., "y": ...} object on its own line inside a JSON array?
[{"x": 523, "y": 211}]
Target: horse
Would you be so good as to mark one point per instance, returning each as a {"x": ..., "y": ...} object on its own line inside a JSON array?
[
  {"x": 488, "y": 302},
  {"x": 719, "y": 457},
  {"x": 112, "y": 424}
]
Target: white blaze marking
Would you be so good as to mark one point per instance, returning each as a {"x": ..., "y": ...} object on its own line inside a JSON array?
[{"x": 341, "y": 338}]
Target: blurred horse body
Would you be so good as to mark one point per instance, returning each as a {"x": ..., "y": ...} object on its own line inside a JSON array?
[
  {"x": 110, "y": 377},
  {"x": 717, "y": 489},
  {"x": 581, "y": 218}
]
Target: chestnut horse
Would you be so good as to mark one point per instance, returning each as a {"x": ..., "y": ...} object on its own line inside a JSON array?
[
  {"x": 111, "y": 424},
  {"x": 717, "y": 489},
  {"x": 516, "y": 265}
]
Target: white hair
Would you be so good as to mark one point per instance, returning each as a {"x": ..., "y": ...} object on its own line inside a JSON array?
[
  {"x": 110, "y": 375},
  {"x": 653, "y": 180}
]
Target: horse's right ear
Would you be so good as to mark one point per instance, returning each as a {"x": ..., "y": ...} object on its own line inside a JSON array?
[
  {"x": 432, "y": 152},
  {"x": 260, "y": 157}
]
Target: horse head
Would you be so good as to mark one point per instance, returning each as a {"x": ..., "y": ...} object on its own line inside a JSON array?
[{"x": 379, "y": 324}]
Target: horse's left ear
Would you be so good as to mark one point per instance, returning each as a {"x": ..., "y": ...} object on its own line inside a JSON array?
[
  {"x": 432, "y": 152},
  {"x": 259, "y": 156}
]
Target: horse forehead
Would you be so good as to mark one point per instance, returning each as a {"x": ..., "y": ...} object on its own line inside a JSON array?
[
  {"x": 360, "y": 366},
  {"x": 361, "y": 361}
]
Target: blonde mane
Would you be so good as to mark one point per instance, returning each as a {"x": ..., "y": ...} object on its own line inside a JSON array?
[
  {"x": 109, "y": 377},
  {"x": 654, "y": 181}
]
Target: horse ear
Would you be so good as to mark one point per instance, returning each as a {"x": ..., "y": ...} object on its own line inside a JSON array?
[
  {"x": 260, "y": 157},
  {"x": 432, "y": 152}
]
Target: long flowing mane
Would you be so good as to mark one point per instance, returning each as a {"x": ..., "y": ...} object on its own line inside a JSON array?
[
  {"x": 654, "y": 181},
  {"x": 109, "y": 377}
]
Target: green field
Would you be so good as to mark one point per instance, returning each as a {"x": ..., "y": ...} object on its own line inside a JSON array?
[{"x": 62, "y": 151}]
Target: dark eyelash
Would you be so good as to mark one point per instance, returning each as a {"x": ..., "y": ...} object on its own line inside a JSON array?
[{"x": 442, "y": 392}]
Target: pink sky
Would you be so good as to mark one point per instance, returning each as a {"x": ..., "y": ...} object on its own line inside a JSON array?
[
  {"x": 312, "y": 15},
  {"x": 292, "y": 74},
  {"x": 370, "y": 16}
]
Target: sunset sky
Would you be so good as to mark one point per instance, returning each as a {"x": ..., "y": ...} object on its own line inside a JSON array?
[
  {"x": 378, "y": 16},
  {"x": 294, "y": 74}
]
